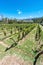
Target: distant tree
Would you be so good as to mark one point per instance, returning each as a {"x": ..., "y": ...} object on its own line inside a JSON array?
[{"x": 10, "y": 21}]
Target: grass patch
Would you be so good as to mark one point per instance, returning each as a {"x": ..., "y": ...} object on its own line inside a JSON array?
[
  {"x": 42, "y": 35},
  {"x": 24, "y": 50},
  {"x": 10, "y": 41}
]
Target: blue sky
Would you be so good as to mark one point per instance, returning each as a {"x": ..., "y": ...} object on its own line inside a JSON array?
[{"x": 21, "y": 8}]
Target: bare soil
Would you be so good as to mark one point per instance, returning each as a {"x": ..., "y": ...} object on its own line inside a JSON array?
[
  {"x": 14, "y": 60},
  {"x": 2, "y": 43}
]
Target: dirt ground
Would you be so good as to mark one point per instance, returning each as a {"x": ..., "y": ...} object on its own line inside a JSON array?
[
  {"x": 2, "y": 43},
  {"x": 14, "y": 60}
]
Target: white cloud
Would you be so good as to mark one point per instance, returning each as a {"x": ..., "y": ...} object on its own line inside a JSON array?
[
  {"x": 30, "y": 16},
  {"x": 19, "y": 12},
  {"x": 0, "y": 17}
]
